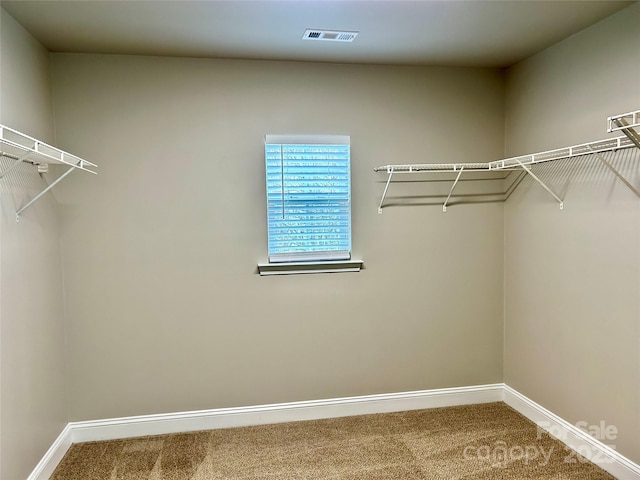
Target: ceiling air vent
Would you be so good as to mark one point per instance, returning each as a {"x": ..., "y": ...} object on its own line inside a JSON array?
[{"x": 329, "y": 35}]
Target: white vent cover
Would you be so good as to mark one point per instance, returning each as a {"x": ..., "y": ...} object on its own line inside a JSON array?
[{"x": 329, "y": 35}]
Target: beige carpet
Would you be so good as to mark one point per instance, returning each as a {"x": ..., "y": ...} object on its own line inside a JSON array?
[{"x": 488, "y": 441}]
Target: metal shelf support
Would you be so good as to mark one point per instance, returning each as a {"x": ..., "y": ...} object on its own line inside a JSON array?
[
  {"x": 537, "y": 179},
  {"x": 617, "y": 173},
  {"x": 37, "y": 197},
  {"x": 444, "y": 207},
  {"x": 625, "y": 123},
  {"x": 21, "y": 147},
  {"x": 18, "y": 161},
  {"x": 386, "y": 187}
]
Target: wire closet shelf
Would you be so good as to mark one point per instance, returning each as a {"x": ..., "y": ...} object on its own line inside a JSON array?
[
  {"x": 625, "y": 123},
  {"x": 20, "y": 148}
]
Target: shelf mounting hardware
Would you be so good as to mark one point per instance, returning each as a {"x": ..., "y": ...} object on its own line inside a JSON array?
[
  {"x": 21, "y": 147},
  {"x": 37, "y": 197},
  {"x": 444, "y": 206},
  {"x": 617, "y": 173},
  {"x": 537, "y": 179},
  {"x": 18, "y": 161},
  {"x": 386, "y": 187},
  {"x": 626, "y": 123}
]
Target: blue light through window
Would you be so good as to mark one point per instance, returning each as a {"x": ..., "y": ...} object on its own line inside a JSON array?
[{"x": 308, "y": 197}]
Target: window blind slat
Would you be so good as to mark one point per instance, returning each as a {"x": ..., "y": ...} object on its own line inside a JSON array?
[{"x": 308, "y": 201}]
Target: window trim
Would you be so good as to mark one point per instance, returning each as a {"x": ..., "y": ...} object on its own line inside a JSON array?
[
  {"x": 294, "y": 268},
  {"x": 321, "y": 265}
]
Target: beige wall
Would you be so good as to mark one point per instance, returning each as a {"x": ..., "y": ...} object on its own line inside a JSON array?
[
  {"x": 572, "y": 277},
  {"x": 32, "y": 344},
  {"x": 165, "y": 310}
]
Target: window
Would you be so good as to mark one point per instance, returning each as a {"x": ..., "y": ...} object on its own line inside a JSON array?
[{"x": 308, "y": 198}]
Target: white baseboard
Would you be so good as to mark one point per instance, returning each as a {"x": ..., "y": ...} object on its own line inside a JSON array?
[
  {"x": 52, "y": 458},
  {"x": 281, "y": 412},
  {"x": 580, "y": 441},
  {"x": 127, "y": 427}
]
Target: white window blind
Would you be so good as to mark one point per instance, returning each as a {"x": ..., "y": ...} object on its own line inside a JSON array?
[{"x": 308, "y": 197}]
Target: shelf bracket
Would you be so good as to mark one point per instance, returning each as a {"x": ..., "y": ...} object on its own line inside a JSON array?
[
  {"x": 37, "y": 197},
  {"x": 528, "y": 170},
  {"x": 444, "y": 207},
  {"x": 617, "y": 173},
  {"x": 18, "y": 161},
  {"x": 386, "y": 187}
]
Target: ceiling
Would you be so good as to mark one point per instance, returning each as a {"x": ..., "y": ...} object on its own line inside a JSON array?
[{"x": 447, "y": 32}]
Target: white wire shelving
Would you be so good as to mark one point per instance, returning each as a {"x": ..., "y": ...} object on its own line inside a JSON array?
[
  {"x": 20, "y": 148},
  {"x": 624, "y": 120},
  {"x": 625, "y": 123}
]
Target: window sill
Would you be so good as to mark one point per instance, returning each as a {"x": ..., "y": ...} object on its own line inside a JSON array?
[{"x": 297, "y": 268}]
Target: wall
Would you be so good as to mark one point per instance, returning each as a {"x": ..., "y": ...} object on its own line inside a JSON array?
[
  {"x": 572, "y": 276},
  {"x": 165, "y": 309},
  {"x": 32, "y": 342}
]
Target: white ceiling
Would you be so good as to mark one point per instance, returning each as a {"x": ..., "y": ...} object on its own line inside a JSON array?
[{"x": 447, "y": 32}]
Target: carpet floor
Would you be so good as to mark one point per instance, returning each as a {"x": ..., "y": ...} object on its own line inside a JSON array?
[{"x": 486, "y": 441}]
